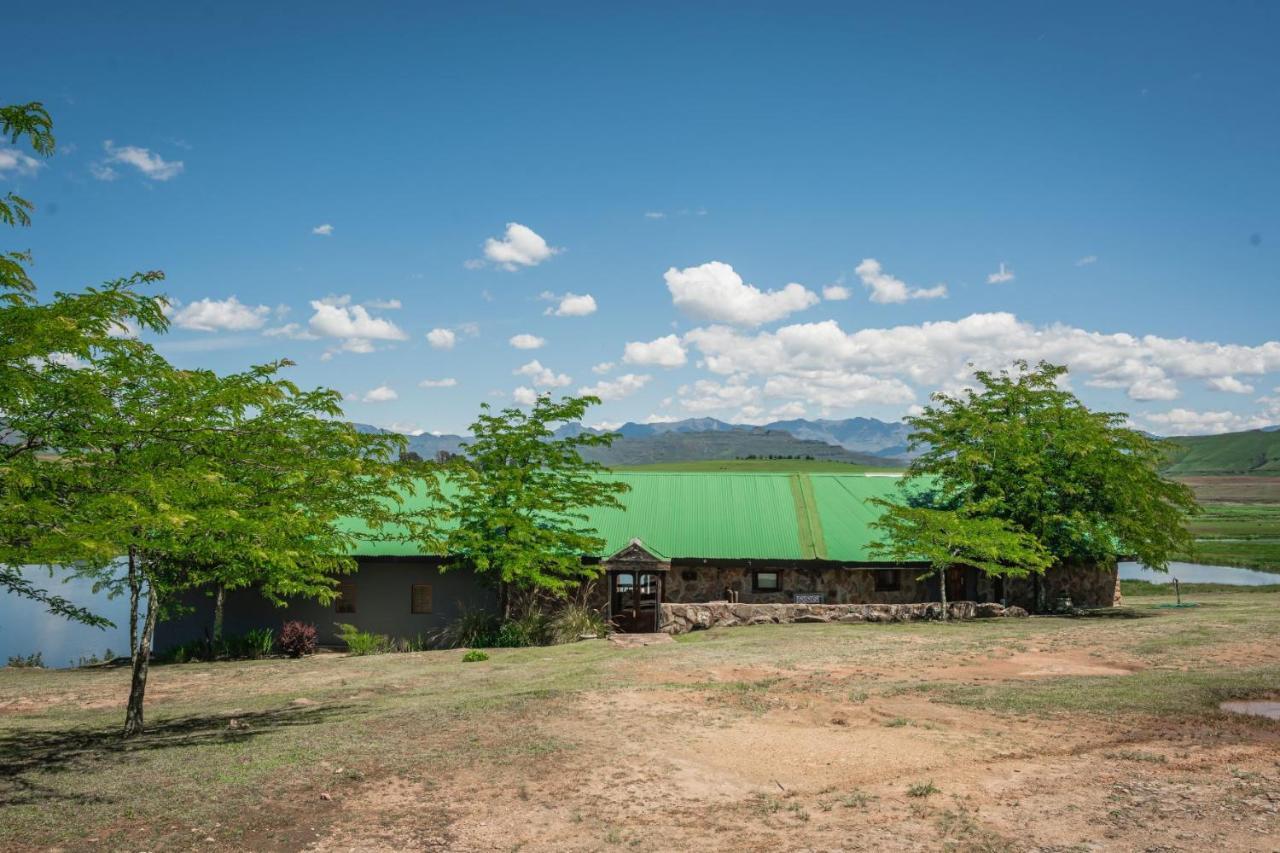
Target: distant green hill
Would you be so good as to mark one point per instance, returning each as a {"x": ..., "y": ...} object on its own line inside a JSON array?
[
  {"x": 1253, "y": 452},
  {"x": 727, "y": 444},
  {"x": 788, "y": 466}
]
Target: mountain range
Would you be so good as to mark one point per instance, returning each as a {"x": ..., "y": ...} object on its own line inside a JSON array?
[{"x": 858, "y": 441}]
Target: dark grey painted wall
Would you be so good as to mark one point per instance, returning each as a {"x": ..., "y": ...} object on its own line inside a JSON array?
[{"x": 383, "y": 600}]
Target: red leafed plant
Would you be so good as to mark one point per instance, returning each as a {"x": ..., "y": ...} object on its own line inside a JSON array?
[{"x": 297, "y": 639}]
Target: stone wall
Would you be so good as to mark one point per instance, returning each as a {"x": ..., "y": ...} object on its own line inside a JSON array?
[
  {"x": 682, "y": 618},
  {"x": 1087, "y": 584},
  {"x": 837, "y": 584}
]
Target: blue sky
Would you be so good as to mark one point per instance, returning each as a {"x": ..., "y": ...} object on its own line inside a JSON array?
[{"x": 1092, "y": 184}]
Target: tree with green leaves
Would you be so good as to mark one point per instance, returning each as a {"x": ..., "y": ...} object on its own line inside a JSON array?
[
  {"x": 1021, "y": 448},
  {"x": 42, "y": 400},
  {"x": 520, "y": 498},
  {"x": 299, "y": 476},
  {"x": 947, "y": 537},
  {"x": 219, "y": 481}
]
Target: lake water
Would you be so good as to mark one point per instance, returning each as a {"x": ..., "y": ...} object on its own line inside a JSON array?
[
  {"x": 26, "y": 627},
  {"x": 1196, "y": 573}
]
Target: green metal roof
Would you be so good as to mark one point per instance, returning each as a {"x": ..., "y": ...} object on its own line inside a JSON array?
[{"x": 761, "y": 516}]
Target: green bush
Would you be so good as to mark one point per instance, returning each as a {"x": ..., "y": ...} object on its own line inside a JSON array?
[
  {"x": 472, "y": 629},
  {"x": 482, "y": 629},
  {"x": 364, "y": 642},
  {"x": 474, "y": 656},
  {"x": 258, "y": 643},
  {"x": 185, "y": 652},
  {"x": 532, "y": 628},
  {"x": 419, "y": 643},
  {"x": 575, "y": 621},
  {"x": 33, "y": 661}
]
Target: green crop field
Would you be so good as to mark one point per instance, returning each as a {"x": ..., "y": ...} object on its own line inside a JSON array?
[{"x": 1239, "y": 524}]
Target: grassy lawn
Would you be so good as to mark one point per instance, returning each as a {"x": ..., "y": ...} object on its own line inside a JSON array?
[{"x": 591, "y": 746}]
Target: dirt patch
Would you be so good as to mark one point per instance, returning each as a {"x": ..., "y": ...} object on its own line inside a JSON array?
[
  {"x": 391, "y": 814},
  {"x": 635, "y": 641},
  {"x": 1034, "y": 665}
]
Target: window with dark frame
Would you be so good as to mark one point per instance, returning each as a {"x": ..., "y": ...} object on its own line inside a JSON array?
[
  {"x": 420, "y": 598},
  {"x": 346, "y": 600},
  {"x": 888, "y": 580},
  {"x": 765, "y": 582}
]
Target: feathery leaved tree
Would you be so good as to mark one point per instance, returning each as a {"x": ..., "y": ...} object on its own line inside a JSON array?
[
  {"x": 947, "y": 537},
  {"x": 222, "y": 481},
  {"x": 1021, "y": 448},
  {"x": 42, "y": 399},
  {"x": 520, "y": 498}
]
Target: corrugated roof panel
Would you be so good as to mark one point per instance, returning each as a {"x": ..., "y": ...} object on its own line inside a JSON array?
[
  {"x": 846, "y": 514},
  {"x": 730, "y": 516},
  {"x": 733, "y": 516}
]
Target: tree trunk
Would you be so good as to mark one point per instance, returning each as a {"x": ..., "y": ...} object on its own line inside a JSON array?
[
  {"x": 504, "y": 600},
  {"x": 219, "y": 597},
  {"x": 141, "y": 663},
  {"x": 134, "y": 594},
  {"x": 942, "y": 586}
]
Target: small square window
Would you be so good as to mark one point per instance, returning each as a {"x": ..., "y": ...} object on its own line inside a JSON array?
[
  {"x": 420, "y": 598},
  {"x": 888, "y": 580},
  {"x": 346, "y": 600},
  {"x": 766, "y": 582}
]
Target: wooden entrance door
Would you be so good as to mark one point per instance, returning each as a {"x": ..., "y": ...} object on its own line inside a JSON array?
[
  {"x": 956, "y": 583},
  {"x": 634, "y": 598}
]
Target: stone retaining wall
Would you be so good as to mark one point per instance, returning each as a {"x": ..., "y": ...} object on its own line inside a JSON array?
[{"x": 682, "y": 618}]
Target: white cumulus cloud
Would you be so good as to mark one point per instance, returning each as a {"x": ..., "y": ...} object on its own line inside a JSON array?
[
  {"x": 335, "y": 317},
  {"x": 212, "y": 315},
  {"x": 292, "y": 331},
  {"x": 442, "y": 338},
  {"x": 17, "y": 162},
  {"x": 323, "y": 230},
  {"x": 542, "y": 377},
  {"x": 521, "y": 246},
  {"x": 525, "y": 396},
  {"x": 571, "y": 304},
  {"x": 835, "y": 293},
  {"x": 1229, "y": 384},
  {"x": 822, "y": 364},
  {"x": 887, "y": 289},
  {"x": 617, "y": 388},
  {"x": 526, "y": 341},
  {"x": 1192, "y": 422},
  {"x": 663, "y": 352},
  {"x": 447, "y": 382},
  {"x": 381, "y": 394},
  {"x": 714, "y": 291},
  {"x": 150, "y": 164},
  {"x": 706, "y": 395}
]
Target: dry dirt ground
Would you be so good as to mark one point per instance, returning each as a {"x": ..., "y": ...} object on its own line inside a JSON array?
[{"x": 1040, "y": 734}]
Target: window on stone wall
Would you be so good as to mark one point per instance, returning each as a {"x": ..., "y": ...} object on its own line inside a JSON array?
[
  {"x": 420, "y": 598},
  {"x": 765, "y": 582},
  {"x": 888, "y": 580},
  {"x": 346, "y": 600}
]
